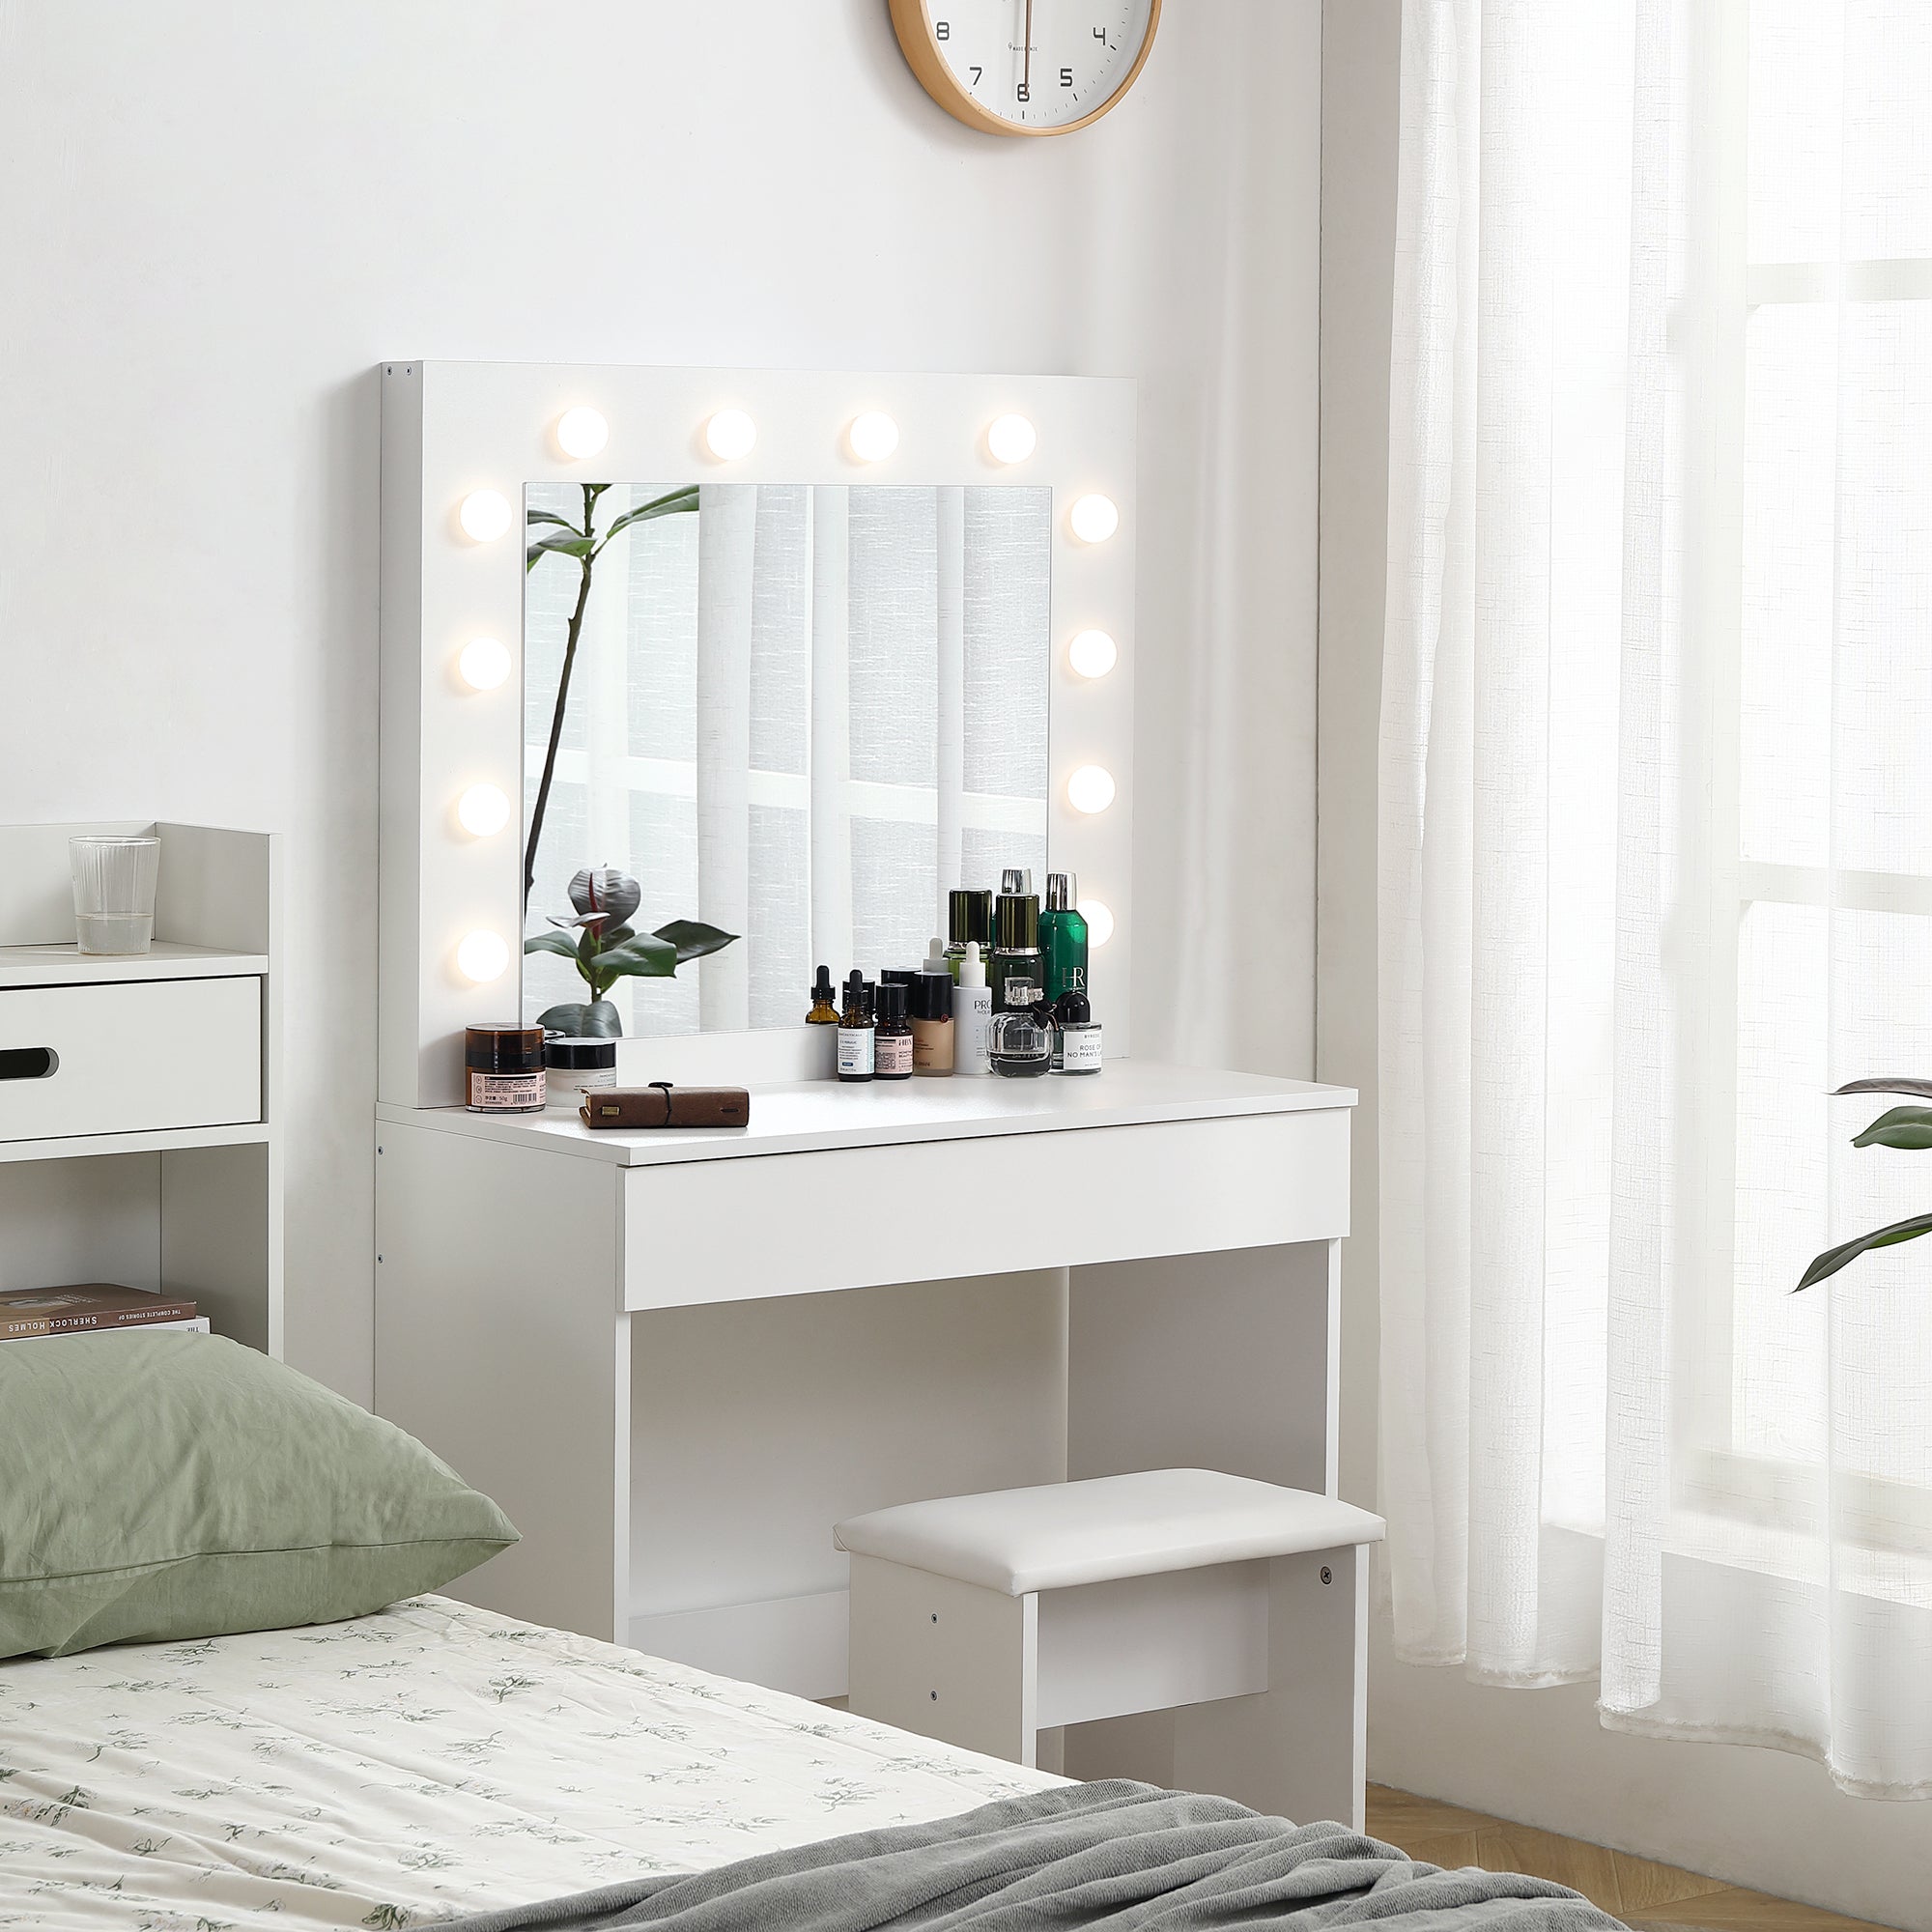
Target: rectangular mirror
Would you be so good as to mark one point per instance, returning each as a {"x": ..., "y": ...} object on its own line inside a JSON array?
[{"x": 794, "y": 714}]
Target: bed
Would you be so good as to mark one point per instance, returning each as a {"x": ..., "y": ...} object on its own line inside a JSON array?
[
  {"x": 417, "y": 1765},
  {"x": 228, "y": 1705}
]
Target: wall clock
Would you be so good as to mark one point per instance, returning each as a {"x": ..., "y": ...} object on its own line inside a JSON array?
[{"x": 1026, "y": 66}]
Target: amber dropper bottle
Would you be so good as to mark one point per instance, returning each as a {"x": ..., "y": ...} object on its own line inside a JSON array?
[
  {"x": 823, "y": 1011},
  {"x": 855, "y": 1031}
]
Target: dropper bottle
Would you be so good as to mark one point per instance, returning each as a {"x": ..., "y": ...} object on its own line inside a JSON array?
[{"x": 972, "y": 1015}]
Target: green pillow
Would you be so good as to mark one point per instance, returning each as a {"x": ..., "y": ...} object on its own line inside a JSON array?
[{"x": 181, "y": 1486}]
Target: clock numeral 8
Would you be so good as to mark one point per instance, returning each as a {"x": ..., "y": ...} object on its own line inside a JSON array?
[{"x": 942, "y": 29}]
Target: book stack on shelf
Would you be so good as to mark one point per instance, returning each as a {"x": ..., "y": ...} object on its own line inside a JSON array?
[{"x": 91, "y": 1308}]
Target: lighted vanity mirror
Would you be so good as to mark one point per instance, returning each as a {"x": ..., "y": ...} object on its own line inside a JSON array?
[{"x": 795, "y": 714}]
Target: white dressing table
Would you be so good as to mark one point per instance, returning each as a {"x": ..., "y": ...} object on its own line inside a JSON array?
[
  {"x": 679, "y": 1358},
  {"x": 1192, "y": 1218}
]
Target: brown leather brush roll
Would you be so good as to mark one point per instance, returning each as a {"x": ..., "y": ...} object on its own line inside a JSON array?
[{"x": 664, "y": 1105}]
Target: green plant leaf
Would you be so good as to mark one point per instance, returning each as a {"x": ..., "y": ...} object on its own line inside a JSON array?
[
  {"x": 1888, "y": 1083},
  {"x": 1906, "y": 1127},
  {"x": 694, "y": 939},
  {"x": 552, "y": 942},
  {"x": 673, "y": 503},
  {"x": 551, "y": 516},
  {"x": 577, "y": 547},
  {"x": 641, "y": 956},
  {"x": 1833, "y": 1259},
  {"x": 596, "y": 1020}
]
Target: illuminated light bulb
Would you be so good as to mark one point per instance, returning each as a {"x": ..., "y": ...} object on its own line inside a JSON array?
[
  {"x": 485, "y": 515},
  {"x": 1091, "y": 789},
  {"x": 1099, "y": 917},
  {"x": 582, "y": 432},
  {"x": 1011, "y": 439},
  {"x": 872, "y": 435},
  {"x": 484, "y": 664},
  {"x": 730, "y": 434},
  {"x": 1092, "y": 654},
  {"x": 483, "y": 809},
  {"x": 482, "y": 956},
  {"x": 1095, "y": 519}
]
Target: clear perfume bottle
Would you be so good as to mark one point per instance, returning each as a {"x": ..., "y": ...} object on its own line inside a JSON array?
[{"x": 1020, "y": 1041}]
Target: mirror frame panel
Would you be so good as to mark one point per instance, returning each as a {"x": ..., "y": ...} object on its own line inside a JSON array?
[{"x": 453, "y": 428}]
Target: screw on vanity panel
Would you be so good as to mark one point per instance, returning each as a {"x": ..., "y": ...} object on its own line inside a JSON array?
[
  {"x": 1327, "y": 1574},
  {"x": 934, "y": 1696}
]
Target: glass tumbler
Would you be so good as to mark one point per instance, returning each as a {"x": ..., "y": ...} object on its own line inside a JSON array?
[{"x": 114, "y": 883}]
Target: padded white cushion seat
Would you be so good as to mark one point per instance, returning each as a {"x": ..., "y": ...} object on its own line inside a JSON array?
[{"x": 1062, "y": 1534}]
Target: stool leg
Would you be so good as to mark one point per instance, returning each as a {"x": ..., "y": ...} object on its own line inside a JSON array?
[
  {"x": 1299, "y": 1748},
  {"x": 945, "y": 1659}
]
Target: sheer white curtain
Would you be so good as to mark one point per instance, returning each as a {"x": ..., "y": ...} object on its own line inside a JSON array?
[{"x": 1655, "y": 865}]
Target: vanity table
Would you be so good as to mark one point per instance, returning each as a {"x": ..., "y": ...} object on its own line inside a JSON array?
[
  {"x": 1185, "y": 1225},
  {"x": 791, "y": 654}
]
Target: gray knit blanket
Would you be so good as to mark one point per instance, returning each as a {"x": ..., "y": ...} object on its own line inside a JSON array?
[{"x": 1113, "y": 1854}]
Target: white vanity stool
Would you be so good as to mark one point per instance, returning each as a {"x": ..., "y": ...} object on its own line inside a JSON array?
[{"x": 981, "y": 1620}]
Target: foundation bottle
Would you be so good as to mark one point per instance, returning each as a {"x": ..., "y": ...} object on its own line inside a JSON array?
[
  {"x": 934, "y": 1030},
  {"x": 856, "y": 1031},
  {"x": 972, "y": 1015},
  {"x": 892, "y": 1037}
]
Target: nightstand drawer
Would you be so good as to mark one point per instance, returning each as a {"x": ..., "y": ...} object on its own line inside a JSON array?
[{"x": 130, "y": 1057}]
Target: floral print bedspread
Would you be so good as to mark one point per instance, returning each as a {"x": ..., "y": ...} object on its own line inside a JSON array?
[{"x": 411, "y": 1766}]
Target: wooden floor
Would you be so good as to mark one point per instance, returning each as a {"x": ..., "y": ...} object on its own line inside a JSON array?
[{"x": 1642, "y": 1894}]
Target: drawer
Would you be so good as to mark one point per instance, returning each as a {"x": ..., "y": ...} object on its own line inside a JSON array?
[
  {"x": 130, "y": 1057},
  {"x": 929, "y": 1210}
]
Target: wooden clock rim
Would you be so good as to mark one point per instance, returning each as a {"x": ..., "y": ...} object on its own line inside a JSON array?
[{"x": 912, "y": 21}]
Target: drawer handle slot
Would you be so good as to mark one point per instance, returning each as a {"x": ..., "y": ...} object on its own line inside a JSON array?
[{"x": 27, "y": 1063}]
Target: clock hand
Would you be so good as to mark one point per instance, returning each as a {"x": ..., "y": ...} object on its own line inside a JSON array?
[{"x": 1026, "y": 74}]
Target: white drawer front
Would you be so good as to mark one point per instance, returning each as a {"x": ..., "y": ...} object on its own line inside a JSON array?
[
  {"x": 929, "y": 1210},
  {"x": 137, "y": 1057}
]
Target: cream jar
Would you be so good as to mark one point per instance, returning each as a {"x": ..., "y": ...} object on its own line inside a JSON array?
[
  {"x": 503, "y": 1069},
  {"x": 577, "y": 1067}
]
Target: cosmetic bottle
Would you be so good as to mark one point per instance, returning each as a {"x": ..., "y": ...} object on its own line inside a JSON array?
[
  {"x": 1020, "y": 1043},
  {"x": 935, "y": 960},
  {"x": 1016, "y": 960},
  {"x": 1076, "y": 1033},
  {"x": 823, "y": 1011},
  {"x": 892, "y": 1037},
  {"x": 1062, "y": 937},
  {"x": 856, "y": 1031},
  {"x": 969, "y": 920},
  {"x": 972, "y": 1013},
  {"x": 933, "y": 1032}
]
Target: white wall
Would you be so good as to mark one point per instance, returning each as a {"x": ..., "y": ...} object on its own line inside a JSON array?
[
  {"x": 216, "y": 216},
  {"x": 1757, "y": 1817}
]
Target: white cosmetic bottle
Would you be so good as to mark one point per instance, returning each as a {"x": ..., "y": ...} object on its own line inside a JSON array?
[{"x": 972, "y": 1015}]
